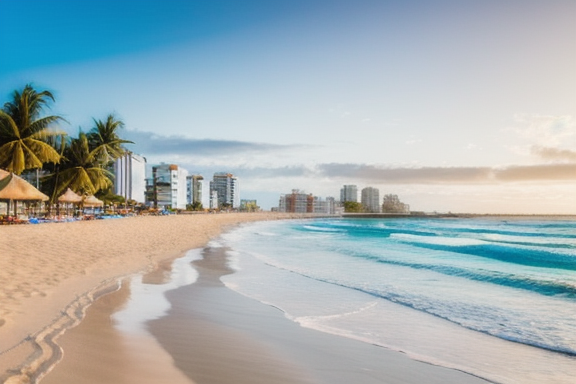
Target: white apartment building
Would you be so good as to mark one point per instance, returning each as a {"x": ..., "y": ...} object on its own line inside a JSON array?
[
  {"x": 168, "y": 186},
  {"x": 370, "y": 199},
  {"x": 227, "y": 188},
  {"x": 130, "y": 177},
  {"x": 194, "y": 185},
  {"x": 213, "y": 199},
  {"x": 349, "y": 193}
]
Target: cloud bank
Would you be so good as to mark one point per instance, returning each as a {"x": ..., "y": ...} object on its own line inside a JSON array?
[
  {"x": 370, "y": 174},
  {"x": 554, "y": 154},
  {"x": 449, "y": 175},
  {"x": 149, "y": 143},
  {"x": 559, "y": 166}
]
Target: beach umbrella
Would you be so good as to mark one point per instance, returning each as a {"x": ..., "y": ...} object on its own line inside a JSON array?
[
  {"x": 14, "y": 188},
  {"x": 92, "y": 201},
  {"x": 70, "y": 197}
]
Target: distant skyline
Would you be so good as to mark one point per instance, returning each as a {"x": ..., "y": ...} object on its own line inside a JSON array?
[{"x": 461, "y": 106}]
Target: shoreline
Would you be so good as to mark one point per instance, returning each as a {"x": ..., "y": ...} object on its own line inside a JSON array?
[
  {"x": 51, "y": 273},
  {"x": 417, "y": 215},
  {"x": 252, "y": 335},
  {"x": 211, "y": 334}
]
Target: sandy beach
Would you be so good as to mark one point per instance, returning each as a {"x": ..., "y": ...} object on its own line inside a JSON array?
[
  {"x": 49, "y": 273},
  {"x": 52, "y": 274}
]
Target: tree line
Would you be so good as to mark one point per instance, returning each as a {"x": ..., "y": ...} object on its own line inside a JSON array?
[{"x": 30, "y": 141}]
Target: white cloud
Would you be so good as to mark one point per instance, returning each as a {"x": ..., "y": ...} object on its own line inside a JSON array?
[{"x": 554, "y": 154}]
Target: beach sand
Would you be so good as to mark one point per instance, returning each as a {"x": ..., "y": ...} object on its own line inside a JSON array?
[{"x": 50, "y": 273}]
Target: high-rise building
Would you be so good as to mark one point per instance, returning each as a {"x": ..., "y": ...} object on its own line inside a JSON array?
[
  {"x": 167, "y": 188},
  {"x": 213, "y": 199},
  {"x": 301, "y": 202},
  {"x": 321, "y": 206},
  {"x": 194, "y": 185},
  {"x": 334, "y": 207},
  {"x": 130, "y": 177},
  {"x": 370, "y": 199},
  {"x": 227, "y": 188},
  {"x": 349, "y": 193},
  {"x": 297, "y": 202}
]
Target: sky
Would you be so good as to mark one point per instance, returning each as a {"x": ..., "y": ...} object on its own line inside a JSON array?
[{"x": 454, "y": 106}]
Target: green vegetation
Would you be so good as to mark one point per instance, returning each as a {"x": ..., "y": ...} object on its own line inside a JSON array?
[
  {"x": 353, "y": 207},
  {"x": 24, "y": 134},
  {"x": 249, "y": 206},
  {"x": 104, "y": 140},
  {"x": 29, "y": 141},
  {"x": 195, "y": 206},
  {"x": 82, "y": 171}
]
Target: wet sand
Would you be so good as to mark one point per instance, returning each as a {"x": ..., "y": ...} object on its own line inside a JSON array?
[
  {"x": 216, "y": 335},
  {"x": 212, "y": 334},
  {"x": 97, "y": 352}
]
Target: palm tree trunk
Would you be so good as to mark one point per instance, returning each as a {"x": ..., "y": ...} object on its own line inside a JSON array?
[{"x": 57, "y": 173}]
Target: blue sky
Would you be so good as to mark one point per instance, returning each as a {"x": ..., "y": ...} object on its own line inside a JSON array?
[{"x": 462, "y": 106}]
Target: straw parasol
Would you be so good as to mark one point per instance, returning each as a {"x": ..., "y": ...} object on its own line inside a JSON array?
[
  {"x": 92, "y": 201},
  {"x": 70, "y": 197},
  {"x": 15, "y": 188}
]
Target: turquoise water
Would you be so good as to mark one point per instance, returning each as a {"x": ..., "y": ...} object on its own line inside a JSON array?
[{"x": 496, "y": 298}]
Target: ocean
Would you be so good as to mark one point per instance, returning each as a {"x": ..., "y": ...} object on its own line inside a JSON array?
[{"x": 490, "y": 296}]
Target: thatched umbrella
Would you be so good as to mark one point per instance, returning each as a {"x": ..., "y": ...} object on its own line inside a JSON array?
[
  {"x": 92, "y": 201},
  {"x": 14, "y": 188},
  {"x": 70, "y": 197}
]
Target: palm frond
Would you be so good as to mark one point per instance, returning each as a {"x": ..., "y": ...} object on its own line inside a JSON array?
[
  {"x": 104, "y": 142},
  {"x": 43, "y": 151},
  {"x": 12, "y": 157},
  {"x": 28, "y": 104},
  {"x": 24, "y": 134},
  {"x": 42, "y": 124},
  {"x": 8, "y": 128},
  {"x": 100, "y": 177},
  {"x": 77, "y": 179}
]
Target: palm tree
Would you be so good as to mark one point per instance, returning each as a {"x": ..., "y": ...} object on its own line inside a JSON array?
[
  {"x": 104, "y": 140},
  {"x": 52, "y": 171},
  {"x": 81, "y": 170},
  {"x": 23, "y": 133}
]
